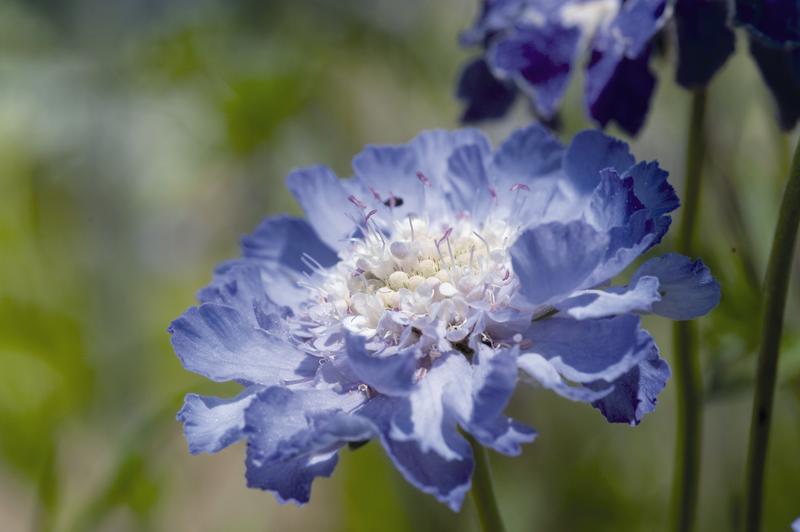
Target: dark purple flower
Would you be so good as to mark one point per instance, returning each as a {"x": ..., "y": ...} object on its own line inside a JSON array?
[
  {"x": 774, "y": 27},
  {"x": 705, "y": 40},
  {"x": 536, "y": 44},
  {"x": 776, "y": 22}
]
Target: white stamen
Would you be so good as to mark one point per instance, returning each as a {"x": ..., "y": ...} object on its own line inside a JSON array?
[{"x": 398, "y": 274}]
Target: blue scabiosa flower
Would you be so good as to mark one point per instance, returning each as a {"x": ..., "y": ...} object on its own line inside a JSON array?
[
  {"x": 410, "y": 300},
  {"x": 534, "y": 45},
  {"x": 796, "y": 525}
]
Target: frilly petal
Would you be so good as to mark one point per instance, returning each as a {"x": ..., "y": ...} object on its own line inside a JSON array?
[
  {"x": 323, "y": 198},
  {"x": 217, "y": 342},
  {"x": 687, "y": 288},
  {"x": 552, "y": 260},
  {"x": 635, "y": 393},
  {"x": 392, "y": 374},
  {"x": 640, "y": 297},
  {"x": 286, "y": 450},
  {"x": 210, "y": 424}
]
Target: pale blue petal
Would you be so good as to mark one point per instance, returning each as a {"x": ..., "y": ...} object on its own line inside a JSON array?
[
  {"x": 447, "y": 479},
  {"x": 544, "y": 372},
  {"x": 504, "y": 435},
  {"x": 392, "y": 374},
  {"x": 277, "y": 255},
  {"x": 391, "y": 172},
  {"x": 626, "y": 243},
  {"x": 328, "y": 431},
  {"x": 244, "y": 286},
  {"x": 635, "y": 393},
  {"x": 273, "y": 419},
  {"x": 493, "y": 382},
  {"x": 613, "y": 202},
  {"x": 527, "y": 154},
  {"x": 591, "y": 151},
  {"x": 429, "y": 414},
  {"x": 640, "y": 296},
  {"x": 433, "y": 149},
  {"x": 468, "y": 183},
  {"x": 323, "y": 198},
  {"x": 553, "y": 259},
  {"x": 652, "y": 188},
  {"x": 688, "y": 290},
  {"x": 216, "y": 342},
  {"x": 591, "y": 350},
  {"x": 210, "y": 424},
  {"x": 289, "y": 480},
  {"x": 287, "y": 241}
]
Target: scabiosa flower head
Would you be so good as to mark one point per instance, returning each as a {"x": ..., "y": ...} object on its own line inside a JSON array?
[
  {"x": 534, "y": 46},
  {"x": 407, "y": 303},
  {"x": 796, "y": 525}
]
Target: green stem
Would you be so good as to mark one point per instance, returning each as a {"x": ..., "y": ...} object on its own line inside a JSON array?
[
  {"x": 686, "y": 360},
  {"x": 776, "y": 284},
  {"x": 47, "y": 491},
  {"x": 482, "y": 492}
]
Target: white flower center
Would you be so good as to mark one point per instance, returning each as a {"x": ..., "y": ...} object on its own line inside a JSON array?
[
  {"x": 590, "y": 16},
  {"x": 420, "y": 276}
]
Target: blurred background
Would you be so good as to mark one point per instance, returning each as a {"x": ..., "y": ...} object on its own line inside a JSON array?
[{"x": 140, "y": 139}]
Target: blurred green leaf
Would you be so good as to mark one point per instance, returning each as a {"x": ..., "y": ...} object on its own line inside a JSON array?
[
  {"x": 45, "y": 378},
  {"x": 257, "y": 105},
  {"x": 371, "y": 495},
  {"x": 132, "y": 484}
]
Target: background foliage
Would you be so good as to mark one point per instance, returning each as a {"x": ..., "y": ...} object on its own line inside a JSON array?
[{"x": 139, "y": 139}]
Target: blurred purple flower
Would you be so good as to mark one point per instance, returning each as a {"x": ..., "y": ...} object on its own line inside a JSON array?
[
  {"x": 774, "y": 21},
  {"x": 774, "y": 27},
  {"x": 535, "y": 45},
  {"x": 406, "y": 303}
]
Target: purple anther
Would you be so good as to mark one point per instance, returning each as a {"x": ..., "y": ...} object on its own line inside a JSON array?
[
  {"x": 445, "y": 236},
  {"x": 357, "y": 202}
]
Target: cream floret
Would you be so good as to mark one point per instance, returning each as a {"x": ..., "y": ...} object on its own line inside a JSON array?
[{"x": 412, "y": 272}]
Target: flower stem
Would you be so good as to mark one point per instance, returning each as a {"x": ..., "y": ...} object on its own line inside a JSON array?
[
  {"x": 776, "y": 285},
  {"x": 686, "y": 360},
  {"x": 482, "y": 491}
]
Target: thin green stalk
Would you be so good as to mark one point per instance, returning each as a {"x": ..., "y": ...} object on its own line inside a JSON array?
[
  {"x": 686, "y": 360},
  {"x": 47, "y": 491},
  {"x": 482, "y": 491},
  {"x": 776, "y": 285}
]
